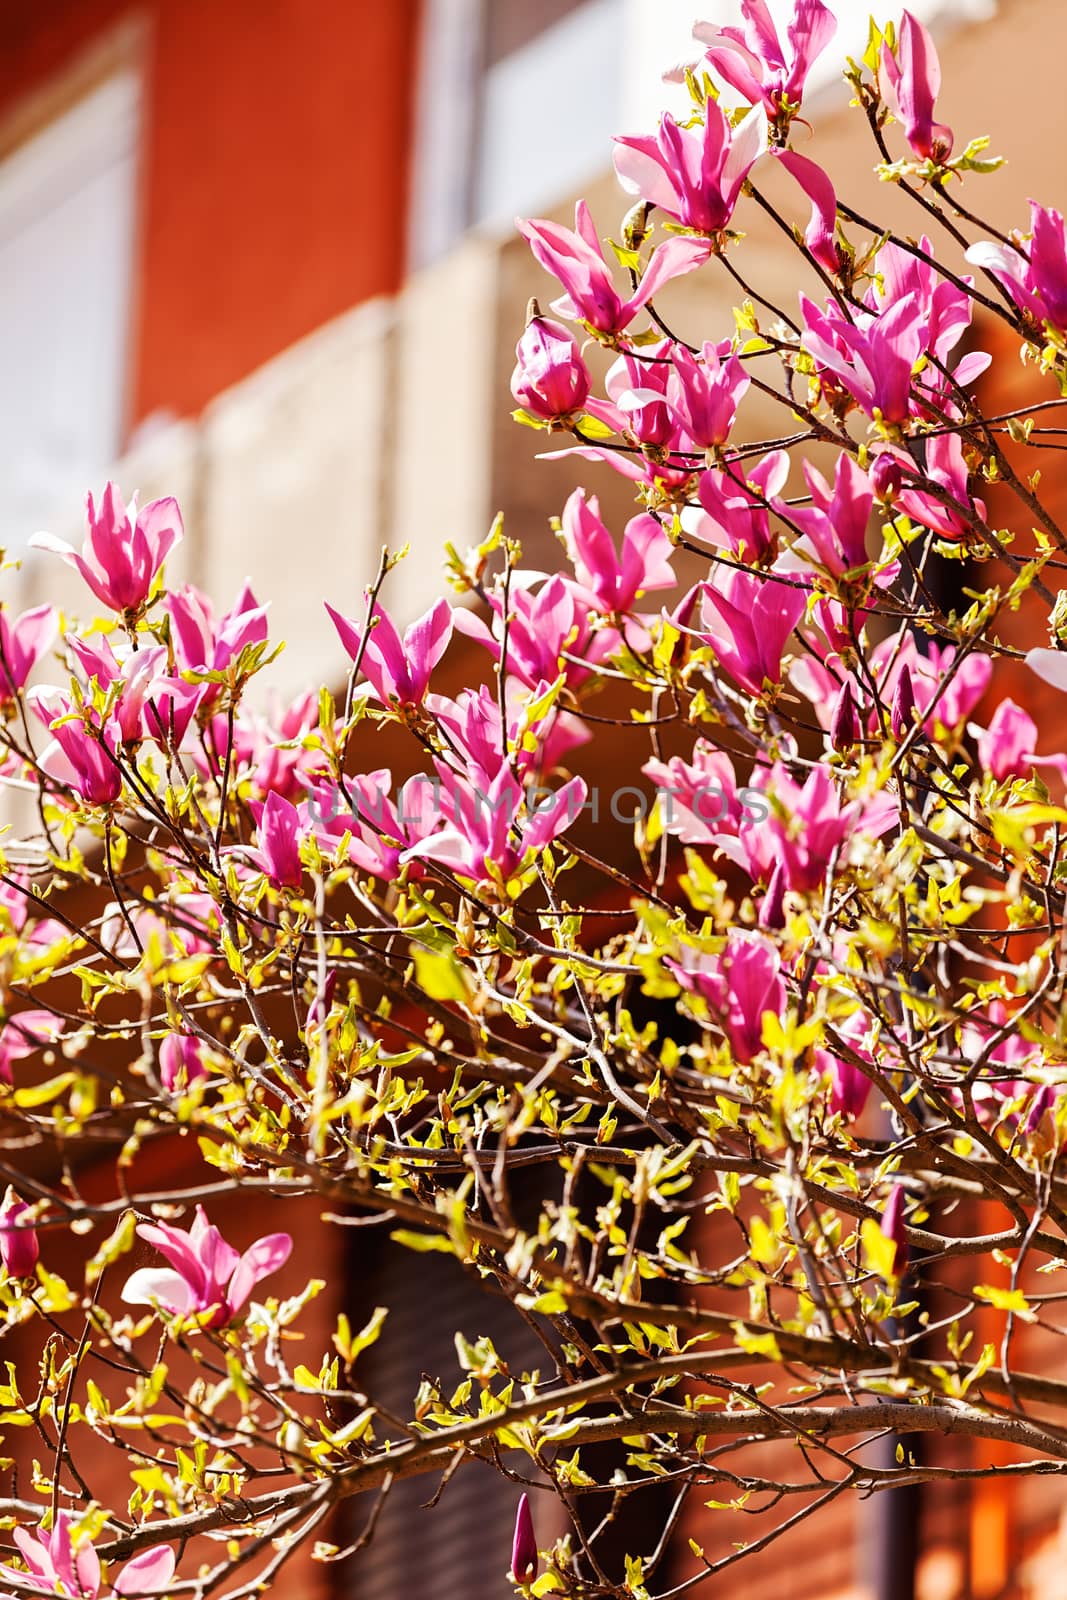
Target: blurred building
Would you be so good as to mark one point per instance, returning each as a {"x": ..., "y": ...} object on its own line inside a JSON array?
[{"x": 260, "y": 254}]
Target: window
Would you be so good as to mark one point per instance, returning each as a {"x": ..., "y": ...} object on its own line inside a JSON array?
[{"x": 66, "y": 244}]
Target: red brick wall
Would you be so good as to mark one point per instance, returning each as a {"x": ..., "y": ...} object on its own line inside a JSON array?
[{"x": 274, "y": 170}]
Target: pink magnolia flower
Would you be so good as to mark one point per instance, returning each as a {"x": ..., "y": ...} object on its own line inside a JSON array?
[
  {"x": 809, "y": 823},
  {"x": 268, "y": 750},
  {"x": 576, "y": 259},
  {"x": 398, "y": 669},
  {"x": 819, "y": 235},
  {"x": 16, "y": 898},
  {"x": 537, "y": 740},
  {"x": 941, "y": 700},
  {"x": 736, "y": 500},
  {"x": 705, "y": 393},
  {"x": 550, "y": 377},
  {"x": 1034, "y": 274},
  {"x": 489, "y": 833},
  {"x": 181, "y": 1061},
  {"x": 698, "y": 798},
  {"x": 1007, "y": 747},
  {"x": 693, "y": 174},
  {"x": 741, "y": 986},
  {"x": 19, "y": 1250},
  {"x": 83, "y": 757},
  {"x": 754, "y": 61},
  {"x": 938, "y": 698},
  {"x": 378, "y": 828},
  {"x": 616, "y": 582},
  {"x": 945, "y": 308},
  {"x": 55, "y": 1565},
  {"x": 22, "y": 644},
  {"x": 1010, "y": 1062},
  {"x": 206, "y": 1274},
  {"x": 911, "y": 79},
  {"x": 524, "y": 1554},
  {"x": 747, "y": 621},
  {"x": 201, "y": 644},
  {"x": 278, "y": 853},
  {"x": 835, "y": 524},
  {"x": 124, "y": 550},
  {"x": 954, "y": 516},
  {"x": 849, "y": 1087},
  {"x": 639, "y": 404},
  {"x": 145, "y": 707},
  {"x": 870, "y": 358},
  {"x": 548, "y": 633}
]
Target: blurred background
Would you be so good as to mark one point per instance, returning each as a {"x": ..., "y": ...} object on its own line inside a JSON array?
[{"x": 260, "y": 254}]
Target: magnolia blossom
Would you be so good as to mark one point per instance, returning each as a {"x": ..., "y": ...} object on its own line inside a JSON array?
[
  {"x": 870, "y": 359},
  {"x": 741, "y": 986},
  {"x": 756, "y": 63},
  {"x": 547, "y": 633},
  {"x": 822, "y": 224},
  {"x": 693, "y": 174},
  {"x": 538, "y": 735},
  {"x": 911, "y": 78},
  {"x": 397, "y": 668},
  {"x": 124, "y": 550},
  {"x": 19, "y": 1250},
  {"x": 810, "y": 824},
  {"x": 894, "y": 1227},
  {"x": 736, "y": 500},
  {"x": 56, "y": 1564},
  {"x": 22, "y": 643},
  {"x": 615, "y": 582},
  {"x": 550, "y": 378},
  {"x": 487, "y": 833},
  {"x": 205, "y": 1274},
  {"x": 835, "y": 524},
  {"x": 698, "y": 798},
  {"x": 1007, "y": 747},
  {"x": 747, "y": 621},
  {"x": 378, "y": 827},
  {"x": 83, "y": 756},
  {"x": 22, "y": 1034},
  {"x": 278, "y": 852},
  {"x": 705, "y": 393},
  {"x": 203, "y": 645},
  {"x": 1035, "y": 274},
  {"x": 181, "y": 1061},
  {"x": 576, "y": 259}
]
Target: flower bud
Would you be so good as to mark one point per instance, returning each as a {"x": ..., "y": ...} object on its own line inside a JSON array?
[
  {"x": 844, "y": 723},
  {"x": 19, "y": 1249},
  {"x": 902, "y": 712},
  {"x": 886, "y": 475},
  {"x": 893, "y": 1227},
  {"x": 772, "y": 911},
  {"x": 524, "y": 1546},
  {"x": 550, "y": 379}
]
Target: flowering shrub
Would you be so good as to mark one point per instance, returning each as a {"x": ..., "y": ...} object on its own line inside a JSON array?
[{"x": 796, "y": 1115}]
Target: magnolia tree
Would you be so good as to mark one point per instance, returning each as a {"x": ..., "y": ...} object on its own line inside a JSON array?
[{"x": 784, "y": 1079}]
